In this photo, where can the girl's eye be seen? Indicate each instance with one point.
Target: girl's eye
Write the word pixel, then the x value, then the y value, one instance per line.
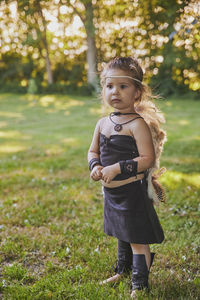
pixel 109 86
pixel 123 86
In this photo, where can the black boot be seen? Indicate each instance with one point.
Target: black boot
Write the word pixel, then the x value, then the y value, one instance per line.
pixel 152 258
pixel 124 262
pixel 125 258
pixel 140 272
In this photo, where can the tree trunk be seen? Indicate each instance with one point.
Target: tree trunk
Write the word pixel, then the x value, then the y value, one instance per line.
pixel 44 39
pixel 91 60
pixel 87 20
pixel 91 43
pixel 48 62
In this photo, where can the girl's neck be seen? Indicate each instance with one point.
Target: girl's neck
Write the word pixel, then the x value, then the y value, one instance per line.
pixel 125 111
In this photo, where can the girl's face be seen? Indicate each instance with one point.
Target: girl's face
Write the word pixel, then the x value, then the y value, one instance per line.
pixel 120 92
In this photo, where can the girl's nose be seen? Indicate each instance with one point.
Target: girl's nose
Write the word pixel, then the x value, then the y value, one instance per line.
pixel 115 90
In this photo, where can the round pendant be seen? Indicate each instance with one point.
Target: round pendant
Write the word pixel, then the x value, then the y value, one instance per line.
pixel 118 127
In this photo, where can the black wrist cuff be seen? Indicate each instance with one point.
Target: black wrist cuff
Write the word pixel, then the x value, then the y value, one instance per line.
pixel 128 167
pixel 93 162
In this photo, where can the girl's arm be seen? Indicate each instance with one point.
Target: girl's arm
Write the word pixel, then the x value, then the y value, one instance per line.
pixel 94 153
pixel 145 145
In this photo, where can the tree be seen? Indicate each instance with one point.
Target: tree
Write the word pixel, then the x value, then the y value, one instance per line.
pixel 35 22
pixel 84 9
pixel 164 36
pixel 44 39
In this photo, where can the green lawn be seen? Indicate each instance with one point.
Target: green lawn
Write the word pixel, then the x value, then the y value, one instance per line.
pixel 52 241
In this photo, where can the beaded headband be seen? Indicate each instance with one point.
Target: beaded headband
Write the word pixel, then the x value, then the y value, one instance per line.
pixel 115 76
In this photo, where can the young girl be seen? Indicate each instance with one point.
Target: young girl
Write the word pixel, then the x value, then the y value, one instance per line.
pixel 121 154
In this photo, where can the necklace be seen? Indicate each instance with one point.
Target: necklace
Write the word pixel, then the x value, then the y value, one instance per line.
pixel 118 126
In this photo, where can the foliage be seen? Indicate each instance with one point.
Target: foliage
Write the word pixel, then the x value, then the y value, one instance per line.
pixel 83 90
pixel 163 35
pixel 179 69
pixel 32 87
pixel 51 234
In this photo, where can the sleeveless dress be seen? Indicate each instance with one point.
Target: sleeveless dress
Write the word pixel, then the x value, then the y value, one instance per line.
pixel 129 214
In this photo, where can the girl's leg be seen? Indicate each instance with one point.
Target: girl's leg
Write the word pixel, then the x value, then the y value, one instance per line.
pixel 142 249
pixel 125 257
pixel 124 262
pixel 142 261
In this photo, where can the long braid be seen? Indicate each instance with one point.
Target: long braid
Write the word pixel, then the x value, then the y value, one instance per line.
pixel 153 117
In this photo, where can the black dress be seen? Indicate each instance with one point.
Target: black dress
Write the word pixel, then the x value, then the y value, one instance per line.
pixel 129 214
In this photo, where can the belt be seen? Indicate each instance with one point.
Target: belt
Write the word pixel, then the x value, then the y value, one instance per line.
pixel 117 183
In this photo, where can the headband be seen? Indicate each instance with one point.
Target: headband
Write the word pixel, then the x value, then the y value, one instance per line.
pixel 123 76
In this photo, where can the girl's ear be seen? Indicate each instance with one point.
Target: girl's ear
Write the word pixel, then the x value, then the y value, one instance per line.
pixel 137 94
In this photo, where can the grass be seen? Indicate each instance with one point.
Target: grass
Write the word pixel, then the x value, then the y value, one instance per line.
pixel 52 241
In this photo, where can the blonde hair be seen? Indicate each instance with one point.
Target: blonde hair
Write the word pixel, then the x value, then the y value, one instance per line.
pixel 147 109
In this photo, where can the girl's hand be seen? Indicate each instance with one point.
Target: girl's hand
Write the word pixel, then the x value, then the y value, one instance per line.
pixel 96 173
pixel 109 172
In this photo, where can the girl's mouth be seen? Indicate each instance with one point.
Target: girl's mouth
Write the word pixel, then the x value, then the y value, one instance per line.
pixel 115 100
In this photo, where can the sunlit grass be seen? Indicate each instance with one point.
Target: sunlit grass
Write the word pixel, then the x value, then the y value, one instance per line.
pixel 178 177
pixel 51 228
pixel 10 134
pixel 9 148
pixel 9 114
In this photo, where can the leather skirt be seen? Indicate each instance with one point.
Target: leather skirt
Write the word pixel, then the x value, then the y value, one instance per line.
pixel 129 214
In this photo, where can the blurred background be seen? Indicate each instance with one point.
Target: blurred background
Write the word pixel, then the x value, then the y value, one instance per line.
pixel 58 46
